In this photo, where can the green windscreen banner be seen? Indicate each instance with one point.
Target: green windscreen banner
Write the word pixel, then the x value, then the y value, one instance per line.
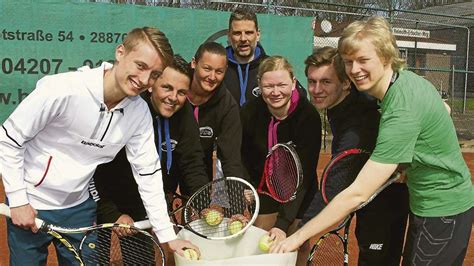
pixel 39 38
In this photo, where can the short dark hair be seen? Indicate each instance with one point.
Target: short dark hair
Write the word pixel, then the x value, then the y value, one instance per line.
pixel 326 56
pixel 243 14
pixel 210 47
pixel 179 64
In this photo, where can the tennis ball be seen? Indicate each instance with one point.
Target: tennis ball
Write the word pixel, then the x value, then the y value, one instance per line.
pixel 214 217
pixel 235 227
pixel 265 243
pixel 191 254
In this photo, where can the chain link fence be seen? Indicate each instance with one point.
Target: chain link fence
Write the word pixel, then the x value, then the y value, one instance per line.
pixel 436 41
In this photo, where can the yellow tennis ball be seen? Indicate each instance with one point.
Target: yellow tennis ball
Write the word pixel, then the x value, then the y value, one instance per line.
pixel 214 217
pixel 235 227
pixel 191 254
pixel 265 243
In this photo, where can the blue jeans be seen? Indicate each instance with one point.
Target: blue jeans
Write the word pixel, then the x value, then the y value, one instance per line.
pixel 28 248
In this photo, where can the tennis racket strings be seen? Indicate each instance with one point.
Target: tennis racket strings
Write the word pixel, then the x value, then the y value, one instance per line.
pixel 213 218
pixel 120 246
pixel 105 244
pixel 219 191
pixel 282 174
pixel 330 251
pixel 341 172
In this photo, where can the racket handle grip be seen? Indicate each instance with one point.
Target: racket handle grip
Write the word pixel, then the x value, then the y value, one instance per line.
pixel 5 210
pixel 145 224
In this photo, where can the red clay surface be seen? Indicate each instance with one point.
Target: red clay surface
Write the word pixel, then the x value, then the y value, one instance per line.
pixel 324 158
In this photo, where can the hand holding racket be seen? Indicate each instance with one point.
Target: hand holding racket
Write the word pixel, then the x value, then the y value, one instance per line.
pixel 282 173
pixel 101 245
pixel 176 203
pixel 124 219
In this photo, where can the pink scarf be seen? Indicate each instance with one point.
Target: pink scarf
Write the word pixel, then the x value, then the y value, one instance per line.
pixel 272 138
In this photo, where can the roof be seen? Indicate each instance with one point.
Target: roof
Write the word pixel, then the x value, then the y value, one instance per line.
pixel 461 14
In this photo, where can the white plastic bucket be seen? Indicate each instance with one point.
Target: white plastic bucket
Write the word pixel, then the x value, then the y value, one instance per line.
pixel 242 250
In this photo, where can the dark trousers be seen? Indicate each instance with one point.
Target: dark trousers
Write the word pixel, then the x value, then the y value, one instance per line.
pixel 381 225
pixel 380 228
pixel 438 240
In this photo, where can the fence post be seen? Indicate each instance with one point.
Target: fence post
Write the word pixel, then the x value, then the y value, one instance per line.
pixel 467 69
pixel 452 88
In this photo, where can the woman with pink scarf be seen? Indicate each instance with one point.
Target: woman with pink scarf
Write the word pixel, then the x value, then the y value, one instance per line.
pixel 280 115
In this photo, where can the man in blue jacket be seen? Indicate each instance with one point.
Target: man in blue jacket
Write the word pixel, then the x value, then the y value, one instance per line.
pixel 244 55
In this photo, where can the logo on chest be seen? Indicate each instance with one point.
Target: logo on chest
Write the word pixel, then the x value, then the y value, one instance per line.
pixel 92 144
pixel 256 92
pixel 206 132
pixel 173 143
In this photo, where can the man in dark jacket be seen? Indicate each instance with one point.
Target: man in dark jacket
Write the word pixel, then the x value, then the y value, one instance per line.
pixel 177 142
pixel 354 120
pixel 244 56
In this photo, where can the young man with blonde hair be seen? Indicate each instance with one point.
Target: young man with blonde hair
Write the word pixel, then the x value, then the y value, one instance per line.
pixel 415 129
pixel 176 141
pixel 52 142
pixel 354 120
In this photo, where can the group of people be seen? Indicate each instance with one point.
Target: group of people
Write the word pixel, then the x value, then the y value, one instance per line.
pixel 147 126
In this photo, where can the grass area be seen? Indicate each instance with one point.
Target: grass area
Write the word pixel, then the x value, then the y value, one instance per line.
pixel 457 103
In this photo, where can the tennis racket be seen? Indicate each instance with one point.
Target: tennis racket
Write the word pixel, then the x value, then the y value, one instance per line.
pixel 332 247
pixel 340 172
pixel 282 173
pixel 204 216
pixel 102 244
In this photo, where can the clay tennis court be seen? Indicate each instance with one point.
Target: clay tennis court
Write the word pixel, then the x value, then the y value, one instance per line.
pixel 324 158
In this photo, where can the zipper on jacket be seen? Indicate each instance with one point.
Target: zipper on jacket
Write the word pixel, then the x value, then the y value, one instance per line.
pixel 103 112
pixel 110 120
pixel 99 121
pixel 45 171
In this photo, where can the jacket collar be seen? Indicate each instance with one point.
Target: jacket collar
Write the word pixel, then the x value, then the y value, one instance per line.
pixel 259 53
pixel 94 81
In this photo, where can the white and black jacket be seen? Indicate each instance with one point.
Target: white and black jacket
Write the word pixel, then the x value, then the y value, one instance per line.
pixel 51 144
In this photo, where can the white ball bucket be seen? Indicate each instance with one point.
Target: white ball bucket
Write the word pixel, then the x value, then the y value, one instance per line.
pixel 242 250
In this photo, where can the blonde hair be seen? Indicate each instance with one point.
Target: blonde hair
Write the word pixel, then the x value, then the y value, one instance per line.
pixel 155 37
pixel 274 63
pixel 378 31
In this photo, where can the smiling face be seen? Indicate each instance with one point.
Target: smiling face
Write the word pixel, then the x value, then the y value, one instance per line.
pixel 208 72
pixel 366 69
pixel 277 87
pixel 136 70
pixel 243 36
pixel 168 94
pixel 325 88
